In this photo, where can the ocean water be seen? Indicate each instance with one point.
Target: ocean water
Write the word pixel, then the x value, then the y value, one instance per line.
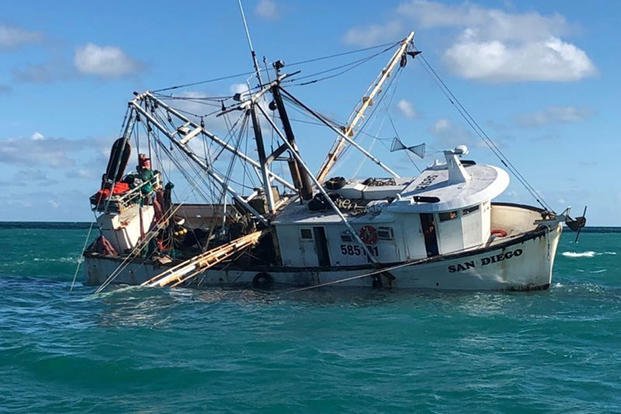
pixel 330 350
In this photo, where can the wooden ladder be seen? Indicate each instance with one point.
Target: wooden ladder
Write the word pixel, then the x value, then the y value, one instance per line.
pixel 197 264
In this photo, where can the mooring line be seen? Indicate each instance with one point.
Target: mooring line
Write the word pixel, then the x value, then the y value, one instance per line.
pixel 77 268
pixel 347 279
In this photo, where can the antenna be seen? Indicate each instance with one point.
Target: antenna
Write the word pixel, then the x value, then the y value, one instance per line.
pixel 397 145
pixel 252 52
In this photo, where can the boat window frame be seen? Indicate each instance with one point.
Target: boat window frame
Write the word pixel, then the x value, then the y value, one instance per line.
pixel 448 215
pixel 389 230
pixel 347 237
pixel 306 234
pixel 470 210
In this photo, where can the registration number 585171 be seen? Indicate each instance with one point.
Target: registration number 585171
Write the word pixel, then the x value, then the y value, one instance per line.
pixel 356 250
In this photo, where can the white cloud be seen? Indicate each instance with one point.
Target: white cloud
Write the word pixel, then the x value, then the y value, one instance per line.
pixel 447 135
pixel 47 72
pixel 553 115
pixel 441 126
pixel 51 152
pixel 488 23
pixel 105 61
pixel 406 108
pixel 491 44
pixel 53 203
pixel 12 37
pixel 83 173
pixel 241 88
pixel 43 151
pixel 374 34
pixel 492 60
pixel 267 9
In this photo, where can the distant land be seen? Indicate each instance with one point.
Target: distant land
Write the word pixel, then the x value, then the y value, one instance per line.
pixel 85 225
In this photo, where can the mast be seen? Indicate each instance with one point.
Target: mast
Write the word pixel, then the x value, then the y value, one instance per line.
pixel 258 137
pixel 341 143
pixel 321 189
pixel 252 52
pixel 299 175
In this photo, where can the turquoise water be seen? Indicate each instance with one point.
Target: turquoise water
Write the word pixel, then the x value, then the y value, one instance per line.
pixel 332 350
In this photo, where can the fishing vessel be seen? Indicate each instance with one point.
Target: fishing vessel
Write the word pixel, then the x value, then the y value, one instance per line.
pixel 267 220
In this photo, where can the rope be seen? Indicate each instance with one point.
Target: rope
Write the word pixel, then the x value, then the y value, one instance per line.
pixel 392 87
pixel 244 74
pixel 373 273
pixel 348 279
pixel 480 132
pixel 80 260
pixel 348 66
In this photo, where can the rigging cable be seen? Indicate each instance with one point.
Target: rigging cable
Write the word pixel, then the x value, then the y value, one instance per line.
pixel 247 73
pixel 409 155
pixel 465 114
pixel 134 253
pixel 348 66
pixel 81 258
pixel 392 82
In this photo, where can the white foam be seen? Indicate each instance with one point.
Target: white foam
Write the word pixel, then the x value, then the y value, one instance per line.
pixel 579 254
pixel 68 259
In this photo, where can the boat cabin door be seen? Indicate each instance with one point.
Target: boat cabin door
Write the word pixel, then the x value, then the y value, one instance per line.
pixel 429 232
pixel 321 246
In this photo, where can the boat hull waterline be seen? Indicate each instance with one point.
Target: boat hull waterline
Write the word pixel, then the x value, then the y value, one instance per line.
pixel 524 263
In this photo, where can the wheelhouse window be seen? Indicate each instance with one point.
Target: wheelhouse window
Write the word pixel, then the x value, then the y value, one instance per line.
pixel 448 215
pixel 385 233
pixel 306 234
pixel 469 210
pixel 347 237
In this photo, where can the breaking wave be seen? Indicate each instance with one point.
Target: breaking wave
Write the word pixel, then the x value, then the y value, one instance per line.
pixel 589 253
pixel 68 259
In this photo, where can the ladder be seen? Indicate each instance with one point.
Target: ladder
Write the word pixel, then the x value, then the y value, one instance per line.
pixel 197 264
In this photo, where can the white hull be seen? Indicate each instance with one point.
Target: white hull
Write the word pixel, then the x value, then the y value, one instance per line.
pixel 521 263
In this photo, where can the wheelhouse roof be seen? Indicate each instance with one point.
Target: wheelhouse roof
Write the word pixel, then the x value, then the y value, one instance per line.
pixel 433 191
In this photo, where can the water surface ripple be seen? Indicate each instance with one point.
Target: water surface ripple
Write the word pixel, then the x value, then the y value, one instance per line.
pixel 332 350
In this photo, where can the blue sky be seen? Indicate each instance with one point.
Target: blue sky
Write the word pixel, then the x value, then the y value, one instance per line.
pixel 542 78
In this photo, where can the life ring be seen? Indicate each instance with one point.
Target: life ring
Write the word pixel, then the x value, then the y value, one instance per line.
pixel 499 233
pixel 262 281
pixel 368 234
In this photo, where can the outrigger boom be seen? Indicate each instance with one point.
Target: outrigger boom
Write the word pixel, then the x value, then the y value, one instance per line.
pixel 344 137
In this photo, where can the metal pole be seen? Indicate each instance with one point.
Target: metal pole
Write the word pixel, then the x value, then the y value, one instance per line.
pixel 305 185
pixel 258 136
pixel 217 140
pixel 321 189
pixel 252 52
pixel 201 164
pixel 358 113
pixel 345 137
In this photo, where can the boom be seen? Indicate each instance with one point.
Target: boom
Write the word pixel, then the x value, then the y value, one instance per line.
pixel 340 144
